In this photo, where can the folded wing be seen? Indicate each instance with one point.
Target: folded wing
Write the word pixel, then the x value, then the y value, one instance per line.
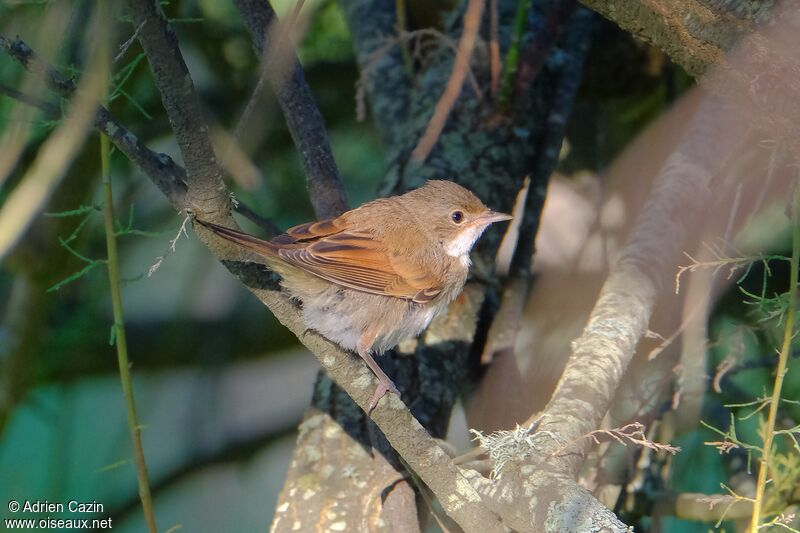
pixel 355 260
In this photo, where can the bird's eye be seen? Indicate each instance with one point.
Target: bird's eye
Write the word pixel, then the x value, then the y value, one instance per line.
pixel 457 216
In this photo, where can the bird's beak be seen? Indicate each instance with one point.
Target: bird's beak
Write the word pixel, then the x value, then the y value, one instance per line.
pixel 492 216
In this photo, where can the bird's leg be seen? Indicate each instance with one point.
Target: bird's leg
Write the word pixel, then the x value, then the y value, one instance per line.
pixel 385 384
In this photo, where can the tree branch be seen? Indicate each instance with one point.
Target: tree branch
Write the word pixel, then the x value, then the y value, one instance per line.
pixel 450 484
pixel 168 176
pixel 474 502
pixel 50 110
pixel 686 30
pixel 621 315
pixel 207 193
pixel 162 170
pixel 303 118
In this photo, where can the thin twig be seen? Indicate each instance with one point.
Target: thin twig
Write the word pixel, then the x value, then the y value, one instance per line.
pixel 472 22
pixel 262 222
pixel 159 167
pixel 780 372
pixel 165 173
pixel 51 110
pixel 44 174
pixel 134 427
pixel 632 433
pixel 127 44
pixel 171 248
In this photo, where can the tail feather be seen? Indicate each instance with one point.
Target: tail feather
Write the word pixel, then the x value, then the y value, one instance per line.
pixel 255 244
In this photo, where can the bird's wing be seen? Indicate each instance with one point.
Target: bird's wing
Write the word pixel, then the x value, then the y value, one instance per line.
pixel 356 260
pixel 311 231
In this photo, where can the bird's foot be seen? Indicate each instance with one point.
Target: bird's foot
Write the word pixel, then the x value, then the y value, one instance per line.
pixel 380 391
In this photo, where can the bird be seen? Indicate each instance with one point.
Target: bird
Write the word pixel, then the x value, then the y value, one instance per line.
pixel 377 274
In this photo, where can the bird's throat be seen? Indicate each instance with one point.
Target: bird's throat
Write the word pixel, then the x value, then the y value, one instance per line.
pixel 462 244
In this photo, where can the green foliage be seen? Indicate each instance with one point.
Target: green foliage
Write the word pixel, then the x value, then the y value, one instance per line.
pixel 752 389
pixel 328 39
pixel 512 56
pixel 90 264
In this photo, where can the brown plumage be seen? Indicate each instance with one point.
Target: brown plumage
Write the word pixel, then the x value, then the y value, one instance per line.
pixel 378 274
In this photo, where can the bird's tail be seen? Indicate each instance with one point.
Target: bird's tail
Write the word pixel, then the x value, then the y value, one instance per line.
pixel 260 246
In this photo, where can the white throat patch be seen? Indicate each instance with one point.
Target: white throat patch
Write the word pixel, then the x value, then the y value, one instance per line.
pixel 461 245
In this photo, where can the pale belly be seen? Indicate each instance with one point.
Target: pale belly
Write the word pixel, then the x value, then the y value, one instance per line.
pixel 343 316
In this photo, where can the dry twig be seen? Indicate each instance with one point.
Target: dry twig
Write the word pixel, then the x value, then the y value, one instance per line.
pixel 472 19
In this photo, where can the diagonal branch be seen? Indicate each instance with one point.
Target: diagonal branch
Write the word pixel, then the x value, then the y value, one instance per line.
pixel 536 461
pixel 165 173
pixel 303 118
pixel 162 170
pixel 451 485
pixel 207 192
pixel 620 317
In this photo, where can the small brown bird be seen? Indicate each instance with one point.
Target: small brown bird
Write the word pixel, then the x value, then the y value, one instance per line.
pixel 378 274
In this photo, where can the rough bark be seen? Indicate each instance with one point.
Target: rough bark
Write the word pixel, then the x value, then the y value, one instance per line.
pixel 207 194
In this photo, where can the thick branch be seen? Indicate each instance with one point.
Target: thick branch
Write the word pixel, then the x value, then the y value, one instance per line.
pixel 207 192
pixel 303 118
pixel 686 30
pixel 602 353
pixel 621 315
pixel 407 436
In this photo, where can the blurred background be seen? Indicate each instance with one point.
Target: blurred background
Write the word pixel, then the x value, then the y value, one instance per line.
pixel 220 385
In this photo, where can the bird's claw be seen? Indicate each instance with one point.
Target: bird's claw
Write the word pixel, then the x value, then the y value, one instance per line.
pixel 380 392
